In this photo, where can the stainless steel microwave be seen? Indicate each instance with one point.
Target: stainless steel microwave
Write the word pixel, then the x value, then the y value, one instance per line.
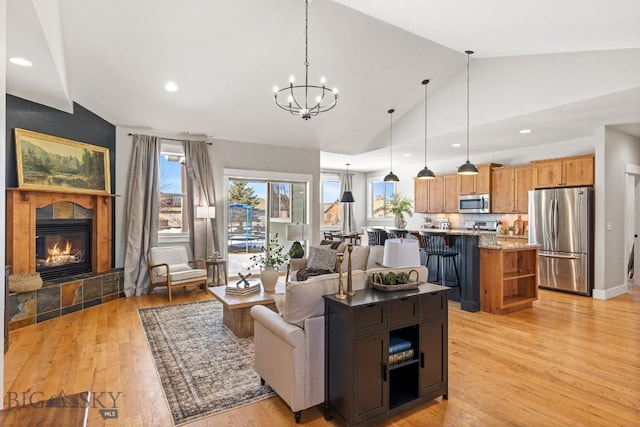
pixel 474 203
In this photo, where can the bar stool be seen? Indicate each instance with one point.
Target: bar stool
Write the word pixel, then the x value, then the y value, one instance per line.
pixel 376 237
pixel 434 245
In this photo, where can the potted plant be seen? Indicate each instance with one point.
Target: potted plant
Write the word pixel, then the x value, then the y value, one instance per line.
pixel 399 205
pixel 268 260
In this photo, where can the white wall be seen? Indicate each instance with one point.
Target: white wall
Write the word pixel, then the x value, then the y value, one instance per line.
pixel 614 150
pixel 223 155
pixel 3 161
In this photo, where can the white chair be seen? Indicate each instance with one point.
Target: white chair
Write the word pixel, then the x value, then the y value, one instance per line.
pixel 170 266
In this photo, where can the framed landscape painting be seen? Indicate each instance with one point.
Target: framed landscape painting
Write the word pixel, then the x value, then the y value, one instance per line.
pixel 48 162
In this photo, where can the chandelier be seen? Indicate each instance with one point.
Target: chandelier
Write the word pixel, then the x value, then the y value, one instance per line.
pixel 296 98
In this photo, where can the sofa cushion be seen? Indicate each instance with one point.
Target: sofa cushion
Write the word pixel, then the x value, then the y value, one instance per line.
pixel 304 299
pixel 359 256
pixel 375 257
pixel 280 299
pixel 322 258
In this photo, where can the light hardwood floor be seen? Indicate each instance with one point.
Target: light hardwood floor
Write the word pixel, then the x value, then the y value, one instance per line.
pixel 569 360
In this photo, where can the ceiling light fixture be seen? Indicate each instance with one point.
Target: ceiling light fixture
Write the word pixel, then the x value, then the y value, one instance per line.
pixel 524 131
pixel 347 196
pixel 425 173
pixel 391 177
pixel 297 96
pixel 171 87
pixel 468 168
pixel 20 61
pixel 455 145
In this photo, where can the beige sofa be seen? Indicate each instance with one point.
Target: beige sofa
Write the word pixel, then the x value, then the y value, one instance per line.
pixel 289 346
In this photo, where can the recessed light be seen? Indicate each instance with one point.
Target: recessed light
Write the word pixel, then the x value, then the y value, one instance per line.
pixel 20 61
pixel 171 87
pixel 455 145
pixel 407 154
pixel 525 131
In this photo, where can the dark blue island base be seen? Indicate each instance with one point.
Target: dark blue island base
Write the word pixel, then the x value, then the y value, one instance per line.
pixel 468 264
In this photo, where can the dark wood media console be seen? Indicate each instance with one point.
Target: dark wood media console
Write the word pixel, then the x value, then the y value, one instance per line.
pixel 361 385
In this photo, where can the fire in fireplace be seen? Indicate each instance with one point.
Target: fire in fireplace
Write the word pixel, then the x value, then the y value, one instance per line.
pixel 63 247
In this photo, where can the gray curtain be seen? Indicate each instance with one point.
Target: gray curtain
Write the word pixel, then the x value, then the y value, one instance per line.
pixel 349 222
pixel 142 210
pixel 200 189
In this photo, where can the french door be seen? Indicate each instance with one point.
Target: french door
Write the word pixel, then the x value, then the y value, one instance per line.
pixel 257 210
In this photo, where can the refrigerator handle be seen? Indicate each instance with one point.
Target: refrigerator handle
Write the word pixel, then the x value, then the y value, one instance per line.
pixel 555 224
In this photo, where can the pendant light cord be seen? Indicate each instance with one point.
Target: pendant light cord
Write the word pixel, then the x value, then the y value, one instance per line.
pixel 391 140
pixel 425 122
pixel 468 55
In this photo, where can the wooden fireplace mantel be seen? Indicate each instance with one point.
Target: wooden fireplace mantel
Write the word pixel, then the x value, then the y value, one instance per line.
pixel 21 225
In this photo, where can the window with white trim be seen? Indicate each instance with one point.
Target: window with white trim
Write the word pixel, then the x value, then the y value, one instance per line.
pixel 330 202
pixel 172 217
pixel 380 193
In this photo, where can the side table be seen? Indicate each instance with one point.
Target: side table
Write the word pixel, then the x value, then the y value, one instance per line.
pixel 219 265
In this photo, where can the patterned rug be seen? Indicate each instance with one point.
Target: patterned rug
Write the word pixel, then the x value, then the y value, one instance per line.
pixel 203 367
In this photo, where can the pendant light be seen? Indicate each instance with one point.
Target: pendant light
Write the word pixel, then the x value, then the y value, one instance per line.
pixel 347 196
pixel 425 173
pixel 391 177
pixel 468 168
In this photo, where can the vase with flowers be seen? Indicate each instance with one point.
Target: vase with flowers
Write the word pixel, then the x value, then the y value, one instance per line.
pixel 271 256
pixel 400 205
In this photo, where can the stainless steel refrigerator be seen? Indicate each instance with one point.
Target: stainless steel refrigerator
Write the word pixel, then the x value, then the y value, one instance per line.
pixel 561 223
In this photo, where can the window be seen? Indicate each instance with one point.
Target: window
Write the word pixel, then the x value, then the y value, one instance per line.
pixel 173 191
pixel 380 193
pixel 331 207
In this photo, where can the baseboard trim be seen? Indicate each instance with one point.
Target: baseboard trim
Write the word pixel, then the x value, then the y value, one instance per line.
pixel 610 293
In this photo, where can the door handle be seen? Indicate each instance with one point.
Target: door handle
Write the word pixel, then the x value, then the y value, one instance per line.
pixel 559 256
pixel 384 372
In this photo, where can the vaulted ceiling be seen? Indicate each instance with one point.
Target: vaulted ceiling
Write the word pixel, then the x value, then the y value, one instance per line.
pixel 559 68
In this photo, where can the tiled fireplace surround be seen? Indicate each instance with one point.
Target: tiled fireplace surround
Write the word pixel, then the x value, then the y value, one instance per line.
pixel 66 295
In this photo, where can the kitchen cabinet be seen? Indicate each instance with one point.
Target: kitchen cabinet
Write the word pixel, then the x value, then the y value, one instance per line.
pixel 510 189
pixel 564 172
pixel 451 192
pixel 421 195
pixel 508 279
pixel 363 385
pixel 477 184
pixel 437 195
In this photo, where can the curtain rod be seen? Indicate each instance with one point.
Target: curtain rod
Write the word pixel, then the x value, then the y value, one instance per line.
pixel 180 140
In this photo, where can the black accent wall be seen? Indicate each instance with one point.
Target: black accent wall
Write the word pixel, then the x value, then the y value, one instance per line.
pixel 81 126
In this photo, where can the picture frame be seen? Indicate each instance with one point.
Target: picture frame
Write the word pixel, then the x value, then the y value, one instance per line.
pixel 280 210
pixel 47 162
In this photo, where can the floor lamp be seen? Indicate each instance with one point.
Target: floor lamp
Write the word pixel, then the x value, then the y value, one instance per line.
pixel 207 213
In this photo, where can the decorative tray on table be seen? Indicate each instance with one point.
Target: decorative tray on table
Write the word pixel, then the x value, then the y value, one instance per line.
pixel 389 282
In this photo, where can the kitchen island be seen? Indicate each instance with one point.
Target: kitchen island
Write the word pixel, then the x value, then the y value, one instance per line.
pixel 508 277
pixel 467 244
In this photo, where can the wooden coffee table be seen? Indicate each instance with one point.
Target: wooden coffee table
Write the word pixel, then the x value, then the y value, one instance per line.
pixel 236 308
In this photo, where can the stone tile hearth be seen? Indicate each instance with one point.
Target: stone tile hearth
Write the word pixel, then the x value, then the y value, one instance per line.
pixel 57 299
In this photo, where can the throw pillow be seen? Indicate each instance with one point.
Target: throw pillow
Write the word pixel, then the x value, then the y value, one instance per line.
pixel 280 300
pixel 322 258
pixel 359 257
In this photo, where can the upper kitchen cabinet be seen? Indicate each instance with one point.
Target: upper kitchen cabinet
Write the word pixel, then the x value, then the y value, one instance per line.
pixel 477 184
pixel 451 192
pixel 421 195
pixel 438 195
pixel 510 189
pixel 563 172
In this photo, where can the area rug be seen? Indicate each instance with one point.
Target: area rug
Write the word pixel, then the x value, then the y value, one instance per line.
pixel 203 367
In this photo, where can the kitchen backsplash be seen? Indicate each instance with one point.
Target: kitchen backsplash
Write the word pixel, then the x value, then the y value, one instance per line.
pixel 459 220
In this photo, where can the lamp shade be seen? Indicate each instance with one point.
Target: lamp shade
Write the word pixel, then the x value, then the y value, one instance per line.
pixel 205 212
pixel 401 253
pixel 347 197
pixel 297 232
